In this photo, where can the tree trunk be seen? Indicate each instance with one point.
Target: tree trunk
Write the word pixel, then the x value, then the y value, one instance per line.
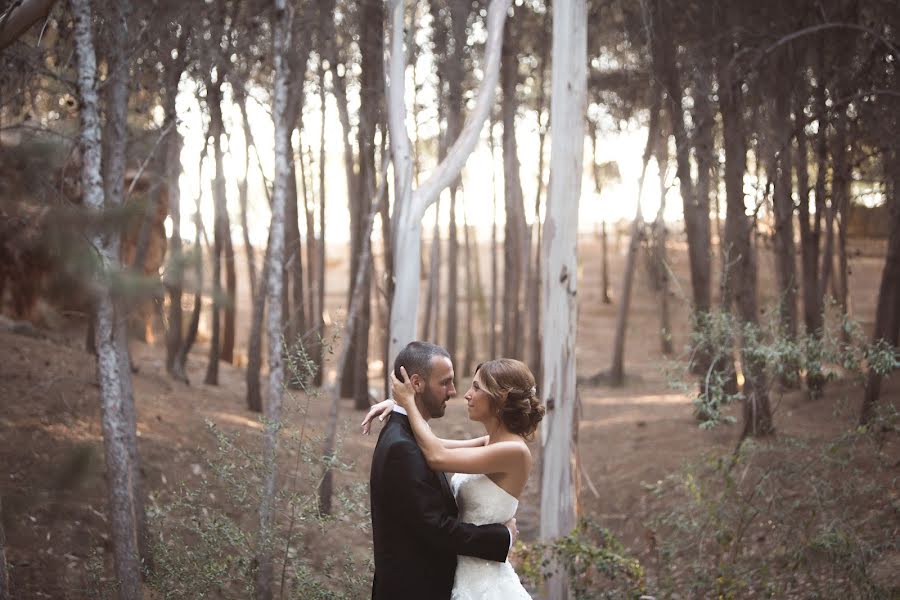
pixel 4 573
pixel 254 345
pixel 455 69
pixel 695 202
pixel 492 333
pixel 513 238
pixel 433 288
pixel 363 265
pixel 617 370
pixel 840 184
pixel 354 381
pixel 274 390
pixel 809 252
pixel 174 273
pixel 116 436
pixel 410 205
pixel 452 279
pixel 533 285
pixel 473 287
pixel 822 204
pixel 190 336
pixel 114 184
pixel 757 413
pixel 783 204
pixel 19 17
pixel 319 317
pixel 559 431
pixel 661 261
pixel 230 293
pixel 241 100
pixel 604 245
pixel 310 218
pixel 216 129
pixel 887 314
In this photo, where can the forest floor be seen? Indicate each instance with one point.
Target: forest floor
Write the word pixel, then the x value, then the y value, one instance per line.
pixel 649 474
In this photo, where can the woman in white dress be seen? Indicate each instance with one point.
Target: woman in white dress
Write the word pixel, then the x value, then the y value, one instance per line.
pixel 490 474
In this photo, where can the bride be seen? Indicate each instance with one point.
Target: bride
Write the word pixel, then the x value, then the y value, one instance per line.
pixel 489 476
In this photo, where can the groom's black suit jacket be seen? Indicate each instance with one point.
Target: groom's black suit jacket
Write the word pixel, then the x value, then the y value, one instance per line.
pixel 415 524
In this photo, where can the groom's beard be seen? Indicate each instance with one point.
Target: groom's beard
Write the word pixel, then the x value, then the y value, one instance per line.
pixel 431 406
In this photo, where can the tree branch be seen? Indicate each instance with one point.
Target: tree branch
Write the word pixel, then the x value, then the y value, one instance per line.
pixel 19 17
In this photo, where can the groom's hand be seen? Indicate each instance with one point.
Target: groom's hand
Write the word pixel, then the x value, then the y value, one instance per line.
pixel 513 531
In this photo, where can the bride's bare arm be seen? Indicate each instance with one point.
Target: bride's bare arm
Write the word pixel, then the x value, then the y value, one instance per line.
pixel 502 457
pixel 383 409
pixel 473 443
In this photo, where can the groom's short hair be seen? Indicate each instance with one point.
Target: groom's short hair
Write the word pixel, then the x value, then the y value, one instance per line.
pixel 417 357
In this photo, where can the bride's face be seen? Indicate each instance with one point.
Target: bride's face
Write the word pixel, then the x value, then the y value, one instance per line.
pixel 478 401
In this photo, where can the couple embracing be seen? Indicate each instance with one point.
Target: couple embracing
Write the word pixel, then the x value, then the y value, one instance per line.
pixel 437 538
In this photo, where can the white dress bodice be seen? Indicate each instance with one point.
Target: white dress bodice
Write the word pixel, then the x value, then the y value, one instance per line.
pixel 481 501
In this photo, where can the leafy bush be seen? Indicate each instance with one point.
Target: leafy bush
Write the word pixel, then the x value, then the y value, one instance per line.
pixel 596 564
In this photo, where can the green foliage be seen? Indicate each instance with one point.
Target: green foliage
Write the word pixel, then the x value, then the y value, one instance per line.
pixel 795 519
pixel 841 350
pixel 596 563
pixel 206 534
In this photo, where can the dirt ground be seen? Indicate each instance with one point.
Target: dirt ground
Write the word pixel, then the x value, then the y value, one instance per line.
pixel 51 456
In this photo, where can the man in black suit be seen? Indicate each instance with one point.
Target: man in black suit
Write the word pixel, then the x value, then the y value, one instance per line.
pixel 415 525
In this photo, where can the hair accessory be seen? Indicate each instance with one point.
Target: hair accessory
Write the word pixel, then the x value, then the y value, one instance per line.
pixel 533 391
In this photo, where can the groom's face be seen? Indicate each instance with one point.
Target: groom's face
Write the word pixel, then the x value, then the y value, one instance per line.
pixel 438 388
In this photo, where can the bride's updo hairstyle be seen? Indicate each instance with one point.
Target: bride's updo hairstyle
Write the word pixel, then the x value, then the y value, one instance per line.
pixel 510 385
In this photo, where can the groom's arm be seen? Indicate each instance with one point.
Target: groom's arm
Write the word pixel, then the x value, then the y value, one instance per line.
pixel 418 503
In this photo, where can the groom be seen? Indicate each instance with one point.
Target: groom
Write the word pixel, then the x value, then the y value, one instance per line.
pixel 415 525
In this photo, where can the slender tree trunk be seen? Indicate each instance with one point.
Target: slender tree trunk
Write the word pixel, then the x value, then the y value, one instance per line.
pixel 617 370
pixel 887 314
pixel 114 184
pixel 241 100
pixel 274 388
pixel 228 332
pixel 174 273
pixel 757 413
pixel 4 572
pixel 433 293
pixel 18 17
pixel 452 279
pixel 533 283
pixel 216 129
pixel 660 258
pixel 410 205
pixel 513 239
pixel 604 252
pixel 354 381
pixel 309 212
pixel 783 203
pixel 116 436
pixel 363 265
pixel 821 191
pixel 559 432
pixel 190 336
pixel 254 345
pixel 320 288
pixel 842 176
pixel 473 286
pixel 495 290
pixel 459 13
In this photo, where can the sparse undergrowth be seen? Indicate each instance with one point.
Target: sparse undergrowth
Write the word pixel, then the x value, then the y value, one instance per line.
pixel 206 532
pixel 783 518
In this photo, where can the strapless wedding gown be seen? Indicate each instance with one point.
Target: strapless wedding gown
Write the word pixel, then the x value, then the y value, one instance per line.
pixel 481 501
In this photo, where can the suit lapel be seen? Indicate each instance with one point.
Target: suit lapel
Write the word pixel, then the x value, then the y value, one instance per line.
pixel 403 421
